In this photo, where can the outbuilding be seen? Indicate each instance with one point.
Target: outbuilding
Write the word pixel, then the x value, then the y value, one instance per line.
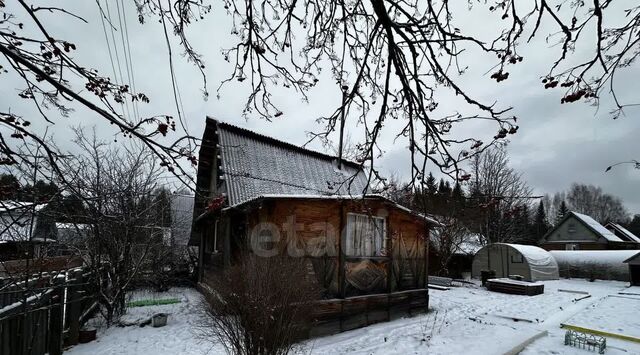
pixel 529 262
pixel 634 269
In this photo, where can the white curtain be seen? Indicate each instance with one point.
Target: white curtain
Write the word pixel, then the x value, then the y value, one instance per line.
pixel 365 235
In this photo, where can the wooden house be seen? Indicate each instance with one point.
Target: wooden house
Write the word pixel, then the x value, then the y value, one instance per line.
pixel 260 195
pixel 578 231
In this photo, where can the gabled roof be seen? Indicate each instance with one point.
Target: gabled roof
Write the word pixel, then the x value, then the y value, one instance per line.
pixel 588 222
pixel 597 227
pixel 18 220
pixel 252 165
pixel 631 258
pixel 625 233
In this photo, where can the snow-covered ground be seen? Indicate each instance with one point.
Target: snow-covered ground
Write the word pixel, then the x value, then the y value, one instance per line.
pixel 466 319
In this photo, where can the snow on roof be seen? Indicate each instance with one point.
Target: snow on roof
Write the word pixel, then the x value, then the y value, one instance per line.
pixel 72 225
pixel 10 205
pixel 597 227
pixel 469 245
pixel 622 230
pixel 612 258
pixel 254 165
pixel 533 254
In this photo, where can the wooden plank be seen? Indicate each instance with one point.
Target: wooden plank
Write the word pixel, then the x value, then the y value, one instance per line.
pixel 56 320
pixel 354 321
pixel 574 291
pixel 600 332
pixel 74 307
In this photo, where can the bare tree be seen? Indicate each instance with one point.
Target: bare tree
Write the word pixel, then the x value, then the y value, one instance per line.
pixel 451 237
pixel 389 59
pixel 591 200
pixel 261 306
pixel 118 228
pixel 500 195
pixel 43 61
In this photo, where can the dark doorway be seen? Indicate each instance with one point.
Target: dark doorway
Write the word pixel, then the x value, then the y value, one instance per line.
pixel 634 275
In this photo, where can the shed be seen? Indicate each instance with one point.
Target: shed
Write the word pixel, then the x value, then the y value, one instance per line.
pixel 530 262
pixel 634 269
pixel 259 195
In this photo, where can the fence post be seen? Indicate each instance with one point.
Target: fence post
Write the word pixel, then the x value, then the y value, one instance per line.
pixel 56 318
pixel 74 306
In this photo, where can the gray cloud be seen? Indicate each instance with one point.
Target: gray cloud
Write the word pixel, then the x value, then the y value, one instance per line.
pixel 557 144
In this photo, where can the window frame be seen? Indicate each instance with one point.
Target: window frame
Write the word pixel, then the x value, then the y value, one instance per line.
pixel 371 218
pixel 520 257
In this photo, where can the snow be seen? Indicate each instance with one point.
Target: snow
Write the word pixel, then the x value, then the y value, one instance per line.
pixel 604 232
pixel 463 320
pixel 535 256
pixel 626 232
pixel 179 336
pixel 613 259
pixel 517 282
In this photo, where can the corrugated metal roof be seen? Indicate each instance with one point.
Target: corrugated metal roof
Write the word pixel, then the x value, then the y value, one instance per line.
pixel 254 165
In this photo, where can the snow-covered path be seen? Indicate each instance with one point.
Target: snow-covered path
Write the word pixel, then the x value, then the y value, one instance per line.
pixel 467 320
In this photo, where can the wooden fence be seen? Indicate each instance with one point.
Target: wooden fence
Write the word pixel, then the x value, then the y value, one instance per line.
pixel 42 314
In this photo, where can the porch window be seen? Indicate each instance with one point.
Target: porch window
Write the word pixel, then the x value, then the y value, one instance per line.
pixel 365 235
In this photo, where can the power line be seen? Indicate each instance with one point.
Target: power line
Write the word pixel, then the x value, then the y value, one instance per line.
pixel 174 82
pixel 127 54
pixel 106 37
pixel 115 48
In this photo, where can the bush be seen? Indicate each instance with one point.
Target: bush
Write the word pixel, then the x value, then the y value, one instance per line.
pixel 261 306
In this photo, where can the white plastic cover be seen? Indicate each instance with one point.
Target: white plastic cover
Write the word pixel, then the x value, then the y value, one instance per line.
pixel 531 262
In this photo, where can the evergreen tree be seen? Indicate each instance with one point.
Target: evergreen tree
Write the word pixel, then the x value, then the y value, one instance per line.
pixel 522 220
pixel 540 224
pixel 634 225
pixel 562 211
pixel 9 187
pixel 432 188
pixel 457 194
pixel 444 188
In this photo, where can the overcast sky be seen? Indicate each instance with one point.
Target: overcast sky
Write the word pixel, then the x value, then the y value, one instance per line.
pixel 556 144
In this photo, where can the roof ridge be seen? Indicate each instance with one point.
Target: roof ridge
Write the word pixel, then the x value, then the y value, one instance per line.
pixel 280 142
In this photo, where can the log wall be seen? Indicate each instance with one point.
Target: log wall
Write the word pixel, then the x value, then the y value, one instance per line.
pixel 314 229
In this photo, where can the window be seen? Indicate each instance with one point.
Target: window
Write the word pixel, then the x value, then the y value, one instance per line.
pixel 517 258
pixel 365 235
pixel 211 241
pixel 572 228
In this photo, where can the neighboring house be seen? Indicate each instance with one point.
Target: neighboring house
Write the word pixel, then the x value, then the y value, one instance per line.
pixel 263 196
pixel 72 234
pixel 25 246
pixel 462 248
pixel 623 233
pixel 577 231
pixel 18 230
